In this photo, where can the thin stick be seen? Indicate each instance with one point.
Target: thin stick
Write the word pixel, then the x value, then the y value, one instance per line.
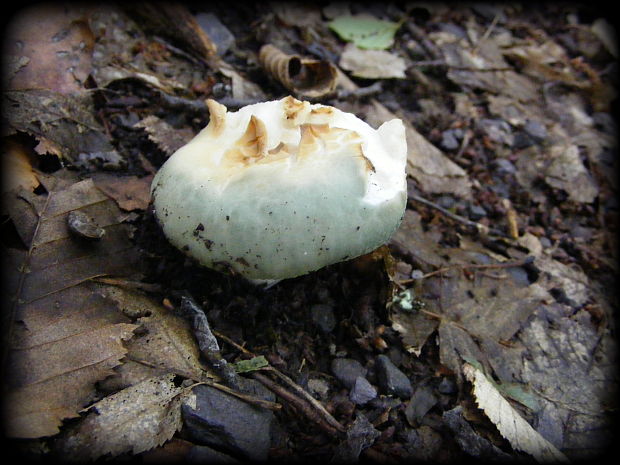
pixel 302 392
pixel 245 397
pixel 328 418
pixel 233 343
pixel 464 144
pixel 299 404
pixel 361 92
pixel 203 380
pixel 486 34
pixel 419 35
pixel 478 266
pixel 482 229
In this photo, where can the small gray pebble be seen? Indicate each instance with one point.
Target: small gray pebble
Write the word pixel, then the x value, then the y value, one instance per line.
pixel 362 391
pixel 449 140
pixel 83 226
pixel 391 379
pixel 346 370
pixel 217 32
pixel 535 130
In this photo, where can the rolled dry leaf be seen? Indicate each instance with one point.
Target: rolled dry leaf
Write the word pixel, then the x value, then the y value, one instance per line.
pixel 304 76
pixel 511 219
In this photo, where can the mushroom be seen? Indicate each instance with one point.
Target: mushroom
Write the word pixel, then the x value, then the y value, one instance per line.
pixel 282 188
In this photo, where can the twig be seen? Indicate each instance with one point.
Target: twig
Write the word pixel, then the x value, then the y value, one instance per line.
pixel 298 404
pixel 318 413
pixel 181 53
pixel 361 92
pixel 233 343
pixel 429 47
pixel 181 104
pixel 245 397
pixel 486 34
pixel 464 144
pixel 481 228
pixel 250 399
pixel 477 266
pixel 302 392
pixel 429 63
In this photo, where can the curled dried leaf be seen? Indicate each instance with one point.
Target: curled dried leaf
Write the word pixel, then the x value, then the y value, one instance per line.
pixel 306 77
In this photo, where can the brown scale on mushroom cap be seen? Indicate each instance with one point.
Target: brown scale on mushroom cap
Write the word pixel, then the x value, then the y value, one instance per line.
pixel 217 116
pixel 315 137
pixel 251 146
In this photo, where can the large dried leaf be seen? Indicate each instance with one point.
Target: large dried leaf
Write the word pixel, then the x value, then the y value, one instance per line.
pixel 54 365
pixel 483 67
pixel 164 343
pixel 372 64
pixel 133 420
pixel 510 424
pixel 566 171
pixel 17 172
pixel 546 62
pixel 480 309
pixel 63 125
pixel 572 367
pixel 57 44
pixel 167 138
pixel 129 192
pixel 63 336
pixel 472 305
pixel 119 53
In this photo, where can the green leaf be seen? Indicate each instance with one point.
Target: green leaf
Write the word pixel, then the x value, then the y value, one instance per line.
pixel 519 393
pixel 243 366
pixel 516 391
pixel 365 31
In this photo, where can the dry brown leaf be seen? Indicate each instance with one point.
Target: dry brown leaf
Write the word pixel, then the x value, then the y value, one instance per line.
pixel 483 67
pixel 17 170
pixel 129 192
pixel 372 64
pixel 164 343
pixel 66 343
pixel 510 424
pixel 63 337
pixel 175 21
pixel 133 420
pixel 473 305
pixel 547 62
pixel 566 171
pixel 64 125
pixel 167 138
pixel 58 44
pixel 305 77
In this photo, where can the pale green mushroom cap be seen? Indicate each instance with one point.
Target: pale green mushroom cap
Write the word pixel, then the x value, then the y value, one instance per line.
pixel 282 188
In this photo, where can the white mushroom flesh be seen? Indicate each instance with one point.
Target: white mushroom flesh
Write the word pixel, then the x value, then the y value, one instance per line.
pixel 281 188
